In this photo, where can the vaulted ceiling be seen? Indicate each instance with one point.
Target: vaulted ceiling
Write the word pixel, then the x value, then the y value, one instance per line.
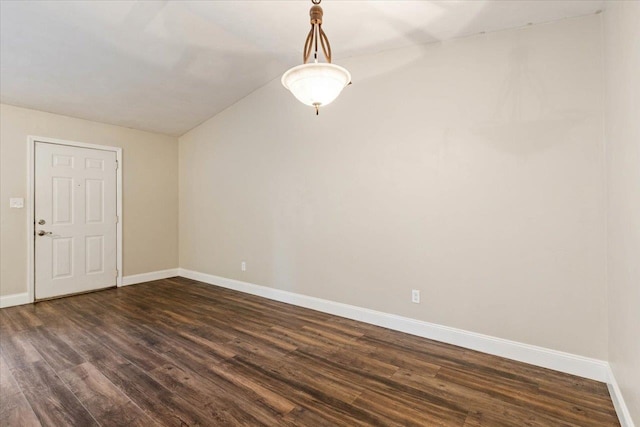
pixel 166 66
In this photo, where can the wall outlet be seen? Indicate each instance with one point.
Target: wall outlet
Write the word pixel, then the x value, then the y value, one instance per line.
pixel 415 296
pixel 243 266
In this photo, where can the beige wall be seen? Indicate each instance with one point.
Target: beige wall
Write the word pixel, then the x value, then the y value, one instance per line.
pixel 471 170
pixel 622 59
pixel 150 180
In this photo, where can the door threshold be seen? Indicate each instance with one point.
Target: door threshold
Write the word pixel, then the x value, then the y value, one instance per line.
pixel 75 294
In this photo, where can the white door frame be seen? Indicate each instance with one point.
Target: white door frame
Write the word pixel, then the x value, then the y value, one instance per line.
pixel 31 171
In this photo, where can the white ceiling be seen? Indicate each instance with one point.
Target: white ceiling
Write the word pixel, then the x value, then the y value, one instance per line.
pixel 166 66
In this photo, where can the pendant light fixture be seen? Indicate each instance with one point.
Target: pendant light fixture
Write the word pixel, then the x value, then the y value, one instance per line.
pixel 317 83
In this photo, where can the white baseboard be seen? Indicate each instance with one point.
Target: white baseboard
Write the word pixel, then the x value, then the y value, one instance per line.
pixel 23 298
pixel 557 360
pixel 15 299
pixel 148 277
pixel 618 401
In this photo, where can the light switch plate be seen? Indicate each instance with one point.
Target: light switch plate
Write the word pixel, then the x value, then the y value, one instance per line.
pixel 16 202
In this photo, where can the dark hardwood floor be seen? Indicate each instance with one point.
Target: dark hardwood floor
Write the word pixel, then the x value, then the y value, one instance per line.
pixel 178 352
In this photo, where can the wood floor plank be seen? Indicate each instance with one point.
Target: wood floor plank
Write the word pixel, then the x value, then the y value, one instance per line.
pixel 25 316
pixel 221 406
pixel 18 351
pixel 106 402
pixel 504 389
pixel 316 416
pixel 401 409
pixel 7 325
pixel 55 351
pixel 297 371
pixel 178 352
pixel 53 403
pixel 159 403
pixel 8 384
pixel 15 411
pixel 482 404
pixel 14 408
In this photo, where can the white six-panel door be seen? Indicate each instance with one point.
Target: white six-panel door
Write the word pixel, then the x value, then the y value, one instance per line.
pixel 75 219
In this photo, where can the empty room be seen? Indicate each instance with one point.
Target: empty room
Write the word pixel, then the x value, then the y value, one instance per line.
pixel 320 213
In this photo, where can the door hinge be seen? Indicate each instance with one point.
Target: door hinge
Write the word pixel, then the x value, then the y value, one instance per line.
pixel 116 273
pixel 117 219
pixel 116 164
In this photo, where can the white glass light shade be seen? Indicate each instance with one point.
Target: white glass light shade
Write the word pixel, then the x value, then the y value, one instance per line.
pixel 316 84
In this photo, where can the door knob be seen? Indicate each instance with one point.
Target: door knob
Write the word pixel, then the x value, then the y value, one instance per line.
pixel 44 233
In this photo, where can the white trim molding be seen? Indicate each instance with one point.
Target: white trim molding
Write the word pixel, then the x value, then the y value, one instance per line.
pixel 24 298
pixel 149 277
pixel 14 299
pixel 618 401
pixel 539 356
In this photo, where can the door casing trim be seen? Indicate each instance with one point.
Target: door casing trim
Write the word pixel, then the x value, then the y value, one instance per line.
pixel 30 205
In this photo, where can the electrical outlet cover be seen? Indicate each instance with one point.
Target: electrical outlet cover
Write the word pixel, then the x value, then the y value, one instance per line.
pixel 415 296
